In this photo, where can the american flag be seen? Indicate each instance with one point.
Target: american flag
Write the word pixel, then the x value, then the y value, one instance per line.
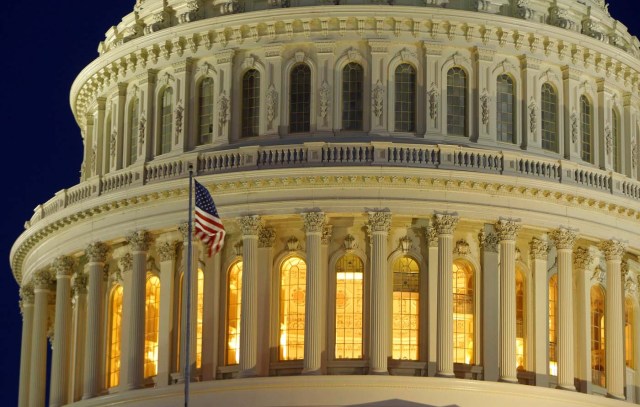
pixel 209 228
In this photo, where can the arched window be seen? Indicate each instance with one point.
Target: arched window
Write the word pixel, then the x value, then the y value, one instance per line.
pixel 349 307
pixel 352 96
pixel 234 301
pixel 463 313
pixel 457 101
pixel 406 309
pixel 205 111
pixel 251 103
pixel 615 134
pixel 405 113
pixel 115 333
pixel 132 133
pixel 553 323
pixel 151 326
pixel 586 119
pixel 199 318
pixel 549 116
pixel 300 99
pixel 505 112
pixel 293 288
pixel 520 320
pixel 629 337
pixel 598 360
pixel 166 121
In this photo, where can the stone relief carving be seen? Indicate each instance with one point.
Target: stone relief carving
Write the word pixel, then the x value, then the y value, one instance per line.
pixel 461 248
pixel 224 105
pixel 327 230
pixel 507 229
pixel 313 221
pixel 583 258
pixel 484 104
pixel 378 99
pixel 634 153
pixel 293 244
pixel 250 225
pixel 166 251
pixel 349 243
pixel 112 144
pixel 488 241
pixel 599 276
pixel 324 95
pixel 266 237
pixel 141 128
pixel 533 108
pixel 612 249
pixel 272 103
pixel 560 18
pixel 608 139
pixel 563 238
pixel 444 223
pixel 434 96
pixel 574 127
pixel 379 222
pixel 179 112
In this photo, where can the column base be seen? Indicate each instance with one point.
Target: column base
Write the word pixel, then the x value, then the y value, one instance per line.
pixel 310 372
pixel 379 373
pixel 513 380
pixel 445 374
pixel 248 373
pixel 566 387
pixel 616 397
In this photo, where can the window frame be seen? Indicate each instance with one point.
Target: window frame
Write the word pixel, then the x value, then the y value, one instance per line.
pixel 256 130
pixel 467 101
pixel 514 107
pixel 590 158
pixel 199 111
pixel 556 113
pixel 161 124
pixel 290 89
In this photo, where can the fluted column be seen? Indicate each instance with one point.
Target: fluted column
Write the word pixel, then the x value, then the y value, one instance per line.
pixel 184 230
pixel 445 224
pixel 79 332
pixel 378 226
pixel 313 226
pixel 564 240
pixel 490 302
pixel 507 231
pixel 432 298
pixel 59 394
pixel 38 375
pixel 93 374
pixel 538 249
pixel 139 242
pixel 250 226
pixel 614 319
pixel 26 306
pixel 583 262
pixel 266 238
pixel 167 253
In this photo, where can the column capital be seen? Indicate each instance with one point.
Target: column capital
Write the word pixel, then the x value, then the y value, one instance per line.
pixel 313 221
pixel 445 223
pixel 538 249
pixel 63 266
pixel 125 263
pixel 583 258
pixel 563 238
pixel 507 229
pixel 42 279
pixel 379 222
pixel 327 230
pixel 613 249
pixel 266 237
pixel 139 240
pixel 79 284
pixel 27 295
pixel 183 228
pixel 488 241
pixel 250 225
pixel 166 251
pixel 431 235
pixel 97 252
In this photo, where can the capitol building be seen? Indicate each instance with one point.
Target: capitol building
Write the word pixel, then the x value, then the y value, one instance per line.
pixel 428 203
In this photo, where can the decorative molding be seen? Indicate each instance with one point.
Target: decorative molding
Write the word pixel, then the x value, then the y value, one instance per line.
pixel 432 236
pixel 613 249
pixel 293 244
pixel 79 284
pixel 599 276
pixel 224 108
pixel 350 243
pixel 584 259
pixel 238 248
pixel 27 296
pixel 266 237
pixel 272 103
pixel 324 95
pixel 179 114
pixel 378 99
pixel 96 252
pixel 507 229
pixel 484 105
pixel 444 223
pixel 533 109
pixel 379 222
pixel 313 221
pixel 574 127
pixel 327 231
pixel 608 139
pixel 563 238
pixel 488 241
pixel 250 225
pixel 139 241
pixel 538 249
pixel 42 279
pixel 462 248
pixel 433 98
pixel 63 266
pixel 166 251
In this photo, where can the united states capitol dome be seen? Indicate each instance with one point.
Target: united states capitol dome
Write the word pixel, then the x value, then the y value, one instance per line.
pixel 426 202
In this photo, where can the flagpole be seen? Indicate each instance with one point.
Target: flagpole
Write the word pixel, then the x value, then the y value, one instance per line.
pixel 187 358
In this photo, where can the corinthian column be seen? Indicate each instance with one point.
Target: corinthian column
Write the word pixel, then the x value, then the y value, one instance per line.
pixel 250 226
pixel 445 224
pixel 583 262
pixel 26 306
pixel 614 317
pixel 538 249
pixel 139 242
pixel 79 333
pixel 313 226
pixel 60 360
pixel 93 374
pixel 193 320
pixel 167 253
pixel 564 240
pixel 266 238
pixel 379 225
pixel 42 284
pixel 507 231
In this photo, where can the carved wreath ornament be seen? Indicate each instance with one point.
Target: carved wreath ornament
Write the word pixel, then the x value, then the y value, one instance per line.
pixel 484 103
pixel 378 99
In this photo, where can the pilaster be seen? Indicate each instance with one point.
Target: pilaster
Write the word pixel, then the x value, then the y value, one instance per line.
pixel 432 63
pixel 531 123
pixel 42 283
pixel 27 297
pixel 379 81
pixel 325 85
pixel 266 239
pixel 485 129
pixel 183 71
pixel 167 251
pixel 489 247
pixel 222 96
pixel 250 226
pixel 274 89
pixel 538 249
pixel 431 236
pixel 147 83
pixel 79 333
pixel 583 263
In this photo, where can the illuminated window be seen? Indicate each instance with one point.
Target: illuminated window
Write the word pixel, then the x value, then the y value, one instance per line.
pixel 205 111
pixel 199 318
pixel 406 309
pixel 628 333
pixel 598 360
pixel 352 96
pixel 349 307
pixel 251 103
pixel 166 121
pixel 151 326
pixel 300 99
pixel 293 286
pixel 463 313
pixel 549 118
pixel 134 122
pixel 405 84
pixel 586 113
pixel 506 109
pixel 520 319
pixel 115 333
pixel 234 299
pixel 457 101
pixel 615 134
pixel 553 321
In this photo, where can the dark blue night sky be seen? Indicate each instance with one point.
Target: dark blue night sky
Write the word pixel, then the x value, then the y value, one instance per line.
pixel 44 45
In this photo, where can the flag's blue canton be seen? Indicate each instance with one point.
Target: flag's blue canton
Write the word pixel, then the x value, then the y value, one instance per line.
pixel 208 227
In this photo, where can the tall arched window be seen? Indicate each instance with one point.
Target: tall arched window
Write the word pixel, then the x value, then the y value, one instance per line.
pixel 115 333
pixel 505 112
pixel 629 337
pixel 300 99
pixel 234 301
pixel 199 317
pixel 166 121
pixel 151 326
pixel 251 103
pixel 586 121
pixel 132 133
pixel 293 288
pixel 549 115
pixel 349 307
pixel 406 309
pixel 615 134
pixel 405 84
pixel 520 320
pixel 205 111
pixel 457 101
pixel 598 355
pixel 463 313
pixel 553 323
pixel 352 96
